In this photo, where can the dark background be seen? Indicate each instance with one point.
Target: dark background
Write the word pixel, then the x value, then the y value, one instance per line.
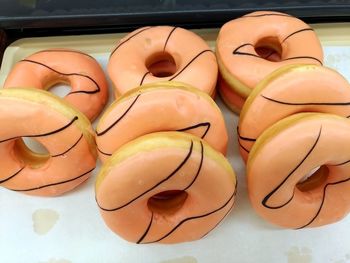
pixel 108 15
pixel 28 18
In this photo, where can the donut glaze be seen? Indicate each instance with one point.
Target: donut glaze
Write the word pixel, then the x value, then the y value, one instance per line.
pixel 158 163
pixel 195 63
pixel 289 90
pixel 162 106
pixel 288 151
pixel 65 133
pixel 44 69
pixel 240 64
pixel 234 101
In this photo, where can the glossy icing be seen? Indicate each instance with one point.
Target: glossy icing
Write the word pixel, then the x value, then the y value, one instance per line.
pixel 239 63
pixel 65 133
pixel 162 106
pixel 195 63
pixel 44 69
pixel 161 162
pixel 289 90
pixel 291 149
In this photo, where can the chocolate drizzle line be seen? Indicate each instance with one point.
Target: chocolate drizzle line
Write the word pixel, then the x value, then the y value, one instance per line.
pixel 244 138
pixel 240 145
pixel 339 164
pixel 153 187
pixel 307 57
pixel 192 218
pixel 167 39
pixel 104 153
pixel 10 177
pixel 143 77
pixel 121 117
pixel 147 230
pixel 307 103
pixel 203 124
pixel 296 32
pixel 44 134
pixel 132 36
pixel 322 202
pixel 52 184
pixel 236 52
pixel 70 148
pixel 189 63
pixel 269 14
pixel 267 197
pixel 98 89
pixel 199 169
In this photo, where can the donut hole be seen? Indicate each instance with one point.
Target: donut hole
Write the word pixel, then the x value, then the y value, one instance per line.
pixel 269 48
pixel 161 65
pixel 167 202
pixel 314 179
pixel 31 152
pixel 60 89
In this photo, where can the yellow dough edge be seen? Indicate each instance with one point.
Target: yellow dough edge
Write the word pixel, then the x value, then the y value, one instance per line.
pixel 232 82
pixel 150 142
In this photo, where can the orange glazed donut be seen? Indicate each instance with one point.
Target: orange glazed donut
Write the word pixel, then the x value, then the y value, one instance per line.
pixel 44 69
pixel 287 152
pixel 251 47
pixel 64 131
pixel 289 90
pixel 159 188
pixel 152 54
pixel 162 106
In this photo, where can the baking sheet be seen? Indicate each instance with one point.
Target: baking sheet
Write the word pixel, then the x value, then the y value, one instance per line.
pixel 69 229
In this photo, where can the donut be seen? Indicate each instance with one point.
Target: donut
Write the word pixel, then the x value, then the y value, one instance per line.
pixel 159 188
pixel 232 99
pixel 161 53
pixel 44 69
pixel 63 131
pixel 284 185
pixel 162 106
pixel 289 90
pixel 252 46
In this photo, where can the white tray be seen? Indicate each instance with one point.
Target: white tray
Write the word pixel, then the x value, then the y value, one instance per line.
pixel 69 229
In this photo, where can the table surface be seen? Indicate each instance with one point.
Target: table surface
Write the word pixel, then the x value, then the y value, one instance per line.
pixel 69 229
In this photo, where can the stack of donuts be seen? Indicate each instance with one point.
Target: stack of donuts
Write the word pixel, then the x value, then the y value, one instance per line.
pixel 162 142
pixel 62 126
pixel 293 128
pixel 253 46
pixel 294 131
